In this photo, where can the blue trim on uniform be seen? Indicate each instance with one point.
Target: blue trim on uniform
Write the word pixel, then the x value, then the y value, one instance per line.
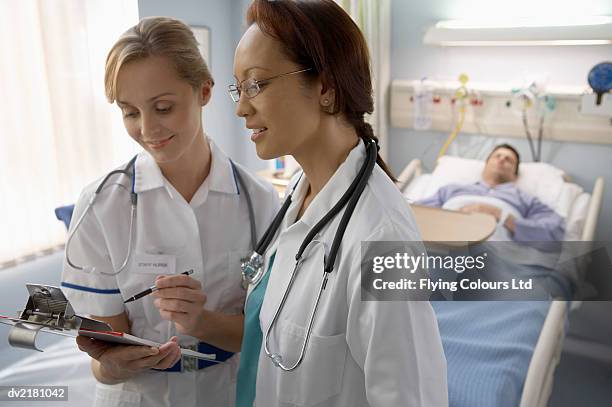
pixel 234 175
pixel 90 289
pixel 203 347
pixel 222 355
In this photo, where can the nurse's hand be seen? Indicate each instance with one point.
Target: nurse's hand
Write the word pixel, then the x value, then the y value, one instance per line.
pixel 180 299
pixel 117 363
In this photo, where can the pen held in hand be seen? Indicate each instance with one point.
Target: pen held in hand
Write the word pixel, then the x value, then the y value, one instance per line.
pixel 150 290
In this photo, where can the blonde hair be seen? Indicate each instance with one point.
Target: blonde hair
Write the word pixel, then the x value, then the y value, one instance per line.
pixel 157 36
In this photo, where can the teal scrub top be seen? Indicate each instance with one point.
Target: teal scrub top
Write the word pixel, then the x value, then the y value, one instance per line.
pixel 251 343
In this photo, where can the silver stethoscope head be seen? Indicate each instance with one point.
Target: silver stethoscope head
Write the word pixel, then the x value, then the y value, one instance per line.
pixel 252 269
pixel 253 266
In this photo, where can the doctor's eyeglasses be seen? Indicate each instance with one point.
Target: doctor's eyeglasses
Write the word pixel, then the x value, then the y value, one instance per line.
pixel 251 87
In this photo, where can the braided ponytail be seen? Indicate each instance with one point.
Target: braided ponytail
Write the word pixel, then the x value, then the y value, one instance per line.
pixel 366 133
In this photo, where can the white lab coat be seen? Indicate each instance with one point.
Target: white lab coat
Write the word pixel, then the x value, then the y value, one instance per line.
pixel 360 353
pixel 210 235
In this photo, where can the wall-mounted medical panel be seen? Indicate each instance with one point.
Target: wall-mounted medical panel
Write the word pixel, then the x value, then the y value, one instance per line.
pixel 495 110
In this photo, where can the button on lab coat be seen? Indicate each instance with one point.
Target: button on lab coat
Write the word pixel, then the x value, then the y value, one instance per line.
pixel 360 353
pixel 210 235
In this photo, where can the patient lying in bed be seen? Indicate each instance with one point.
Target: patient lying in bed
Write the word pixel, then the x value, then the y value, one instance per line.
pixel 520 216
pixel 528 236
pixel 489 344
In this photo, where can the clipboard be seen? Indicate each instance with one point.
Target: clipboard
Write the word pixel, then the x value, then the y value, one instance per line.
pixel 127 339
pixel 49 311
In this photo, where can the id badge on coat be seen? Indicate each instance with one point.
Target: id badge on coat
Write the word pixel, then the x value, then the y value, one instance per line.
pixel 154 263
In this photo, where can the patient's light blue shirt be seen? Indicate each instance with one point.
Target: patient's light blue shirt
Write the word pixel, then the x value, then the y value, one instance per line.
pixel 538 223
pixel 251 343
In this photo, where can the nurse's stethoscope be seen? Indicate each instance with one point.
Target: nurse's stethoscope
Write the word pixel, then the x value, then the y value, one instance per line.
pixel 252 270
pixel 129 172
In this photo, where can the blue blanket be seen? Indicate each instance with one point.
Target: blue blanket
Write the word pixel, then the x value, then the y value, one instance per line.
pixel 488 347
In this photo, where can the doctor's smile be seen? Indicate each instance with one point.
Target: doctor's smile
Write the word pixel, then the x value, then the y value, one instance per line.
pixel 257 133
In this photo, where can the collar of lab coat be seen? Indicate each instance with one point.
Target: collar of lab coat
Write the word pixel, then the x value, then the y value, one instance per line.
pixel 220 177
pixel 331 192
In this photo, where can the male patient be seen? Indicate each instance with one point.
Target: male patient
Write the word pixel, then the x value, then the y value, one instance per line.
pixel 520 217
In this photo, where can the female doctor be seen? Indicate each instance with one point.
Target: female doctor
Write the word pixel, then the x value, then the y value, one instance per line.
pixel 303 86
pixel 191 214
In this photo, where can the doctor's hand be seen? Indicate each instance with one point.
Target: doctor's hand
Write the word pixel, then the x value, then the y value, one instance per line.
pixel 483 208
pixel 117 363
pixel 180 299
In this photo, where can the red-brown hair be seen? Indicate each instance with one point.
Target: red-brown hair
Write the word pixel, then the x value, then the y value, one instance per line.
pixel 320 35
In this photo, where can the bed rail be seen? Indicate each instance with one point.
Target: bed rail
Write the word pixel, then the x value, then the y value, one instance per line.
pixel 590 224
pixel 411 171
pixel 546 357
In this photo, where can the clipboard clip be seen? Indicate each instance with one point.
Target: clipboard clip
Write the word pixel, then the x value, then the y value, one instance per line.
pixel 47 308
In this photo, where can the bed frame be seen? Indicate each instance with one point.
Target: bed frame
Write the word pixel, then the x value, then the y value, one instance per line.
pixel 547 353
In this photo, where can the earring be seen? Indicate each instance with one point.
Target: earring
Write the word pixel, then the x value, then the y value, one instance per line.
pixel 325 102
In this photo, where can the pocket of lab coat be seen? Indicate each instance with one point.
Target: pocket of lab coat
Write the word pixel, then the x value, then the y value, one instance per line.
pixel 232 301
pixel 319 376
pixel 115 396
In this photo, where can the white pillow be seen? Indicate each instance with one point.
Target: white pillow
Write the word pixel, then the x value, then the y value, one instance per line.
pixel 541 180
pixel 457 170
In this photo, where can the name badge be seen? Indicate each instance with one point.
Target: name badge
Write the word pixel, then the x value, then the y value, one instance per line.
pixel 154 263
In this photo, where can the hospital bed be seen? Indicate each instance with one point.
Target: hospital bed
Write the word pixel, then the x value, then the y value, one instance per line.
pixel 500 353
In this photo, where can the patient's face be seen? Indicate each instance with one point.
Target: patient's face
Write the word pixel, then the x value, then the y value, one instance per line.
pixel 501 166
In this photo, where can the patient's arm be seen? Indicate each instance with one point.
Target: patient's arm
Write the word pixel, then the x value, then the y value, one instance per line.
pixel 436 200
pixel 540 224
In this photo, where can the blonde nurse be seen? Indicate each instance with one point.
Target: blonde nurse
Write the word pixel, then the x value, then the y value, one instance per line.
pixel 192 214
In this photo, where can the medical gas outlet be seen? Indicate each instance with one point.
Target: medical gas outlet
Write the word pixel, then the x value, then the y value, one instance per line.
pixel 599 102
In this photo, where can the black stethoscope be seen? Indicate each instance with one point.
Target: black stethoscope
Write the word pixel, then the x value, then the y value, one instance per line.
pixel 252 269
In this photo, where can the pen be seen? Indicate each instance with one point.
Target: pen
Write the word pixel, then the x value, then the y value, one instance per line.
pixel 151 289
